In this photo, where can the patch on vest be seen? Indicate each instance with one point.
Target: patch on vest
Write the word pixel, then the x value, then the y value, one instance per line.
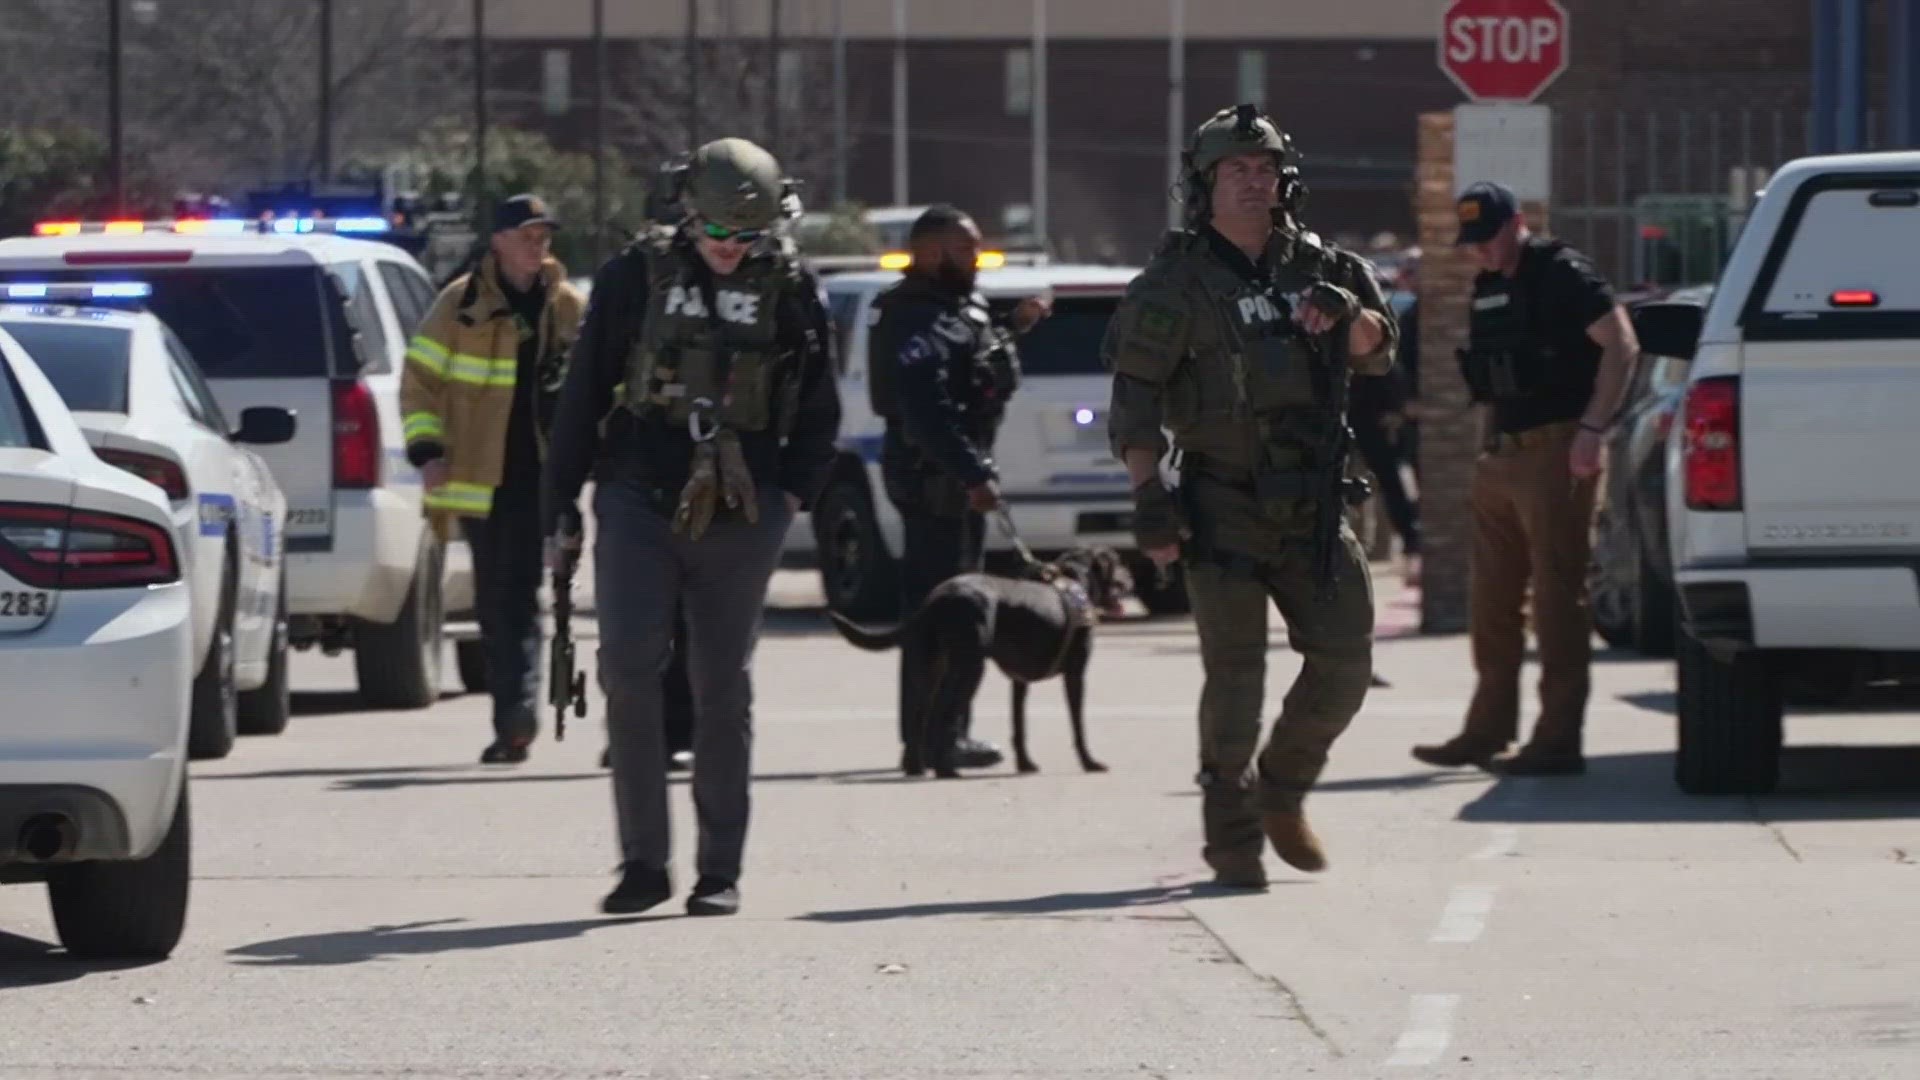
pixel 1488 303
pixel 953 329
pixel 739 308
pixel 1159 322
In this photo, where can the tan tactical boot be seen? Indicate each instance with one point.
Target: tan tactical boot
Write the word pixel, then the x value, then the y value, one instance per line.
pixel 1293 840
pixel 1237 869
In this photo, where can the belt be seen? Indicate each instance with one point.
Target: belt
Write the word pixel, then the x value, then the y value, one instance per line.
pixel 1557 432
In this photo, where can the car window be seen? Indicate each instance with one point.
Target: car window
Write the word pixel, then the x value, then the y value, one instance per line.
pixel 1843 260
pixel 87 364
pixel 363 314
pixel 1068 341
pixel 200 400
pixel 844 307
pixel 17 429
pixel 405 295
pixel 241 322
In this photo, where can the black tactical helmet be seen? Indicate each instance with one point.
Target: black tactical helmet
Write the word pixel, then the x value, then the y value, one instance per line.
pixel 734 183
pixel 1235 131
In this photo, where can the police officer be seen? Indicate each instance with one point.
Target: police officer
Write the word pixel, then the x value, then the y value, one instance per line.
pixel 1549 354
pixel 704 352
pixel 1238 339
pixel 940 373
pixel 482 374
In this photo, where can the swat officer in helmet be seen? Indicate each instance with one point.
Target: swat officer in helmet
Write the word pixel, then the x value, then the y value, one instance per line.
pixel 941 369
pixel 702 398
pixel 1237 341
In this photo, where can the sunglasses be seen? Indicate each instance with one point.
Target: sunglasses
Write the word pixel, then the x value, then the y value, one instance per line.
pixel 739 236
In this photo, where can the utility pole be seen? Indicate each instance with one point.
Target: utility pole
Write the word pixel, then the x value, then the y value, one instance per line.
pixel 839 104
pixel 1039 94
pixel 693 73
pixel 1176 104
pixel 326 92
pixel 599 130
pixel 116 160
pixel 900 102
pixel 773 81
pixel 480 106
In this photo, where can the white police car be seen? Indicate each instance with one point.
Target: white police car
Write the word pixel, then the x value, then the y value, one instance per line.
pixel 96 657
pixel 137 394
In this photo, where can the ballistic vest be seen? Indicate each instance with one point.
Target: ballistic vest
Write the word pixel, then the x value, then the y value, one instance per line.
pixel 985 370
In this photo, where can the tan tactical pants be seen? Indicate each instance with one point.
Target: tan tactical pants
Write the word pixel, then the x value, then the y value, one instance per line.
pixel 1531 527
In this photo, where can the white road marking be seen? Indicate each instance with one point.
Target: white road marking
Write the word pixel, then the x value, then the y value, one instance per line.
pixel 1429 1029
pixel 1501 845
pixel 1465 916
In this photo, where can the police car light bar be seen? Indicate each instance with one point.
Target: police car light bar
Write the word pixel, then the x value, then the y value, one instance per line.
pixel 289 224
pixel 69 291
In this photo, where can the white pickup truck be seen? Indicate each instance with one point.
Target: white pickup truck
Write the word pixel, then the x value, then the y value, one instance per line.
pixel 1793 496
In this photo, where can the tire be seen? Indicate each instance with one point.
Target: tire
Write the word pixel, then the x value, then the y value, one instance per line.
pixel 265 711
pixel 1655 612
pixel 1170 599
pixel 471 658
pixel 128 910
pixel 1611 601
pixel 1728 719
pixel 398 663
pixel 858 577
pixel 215 719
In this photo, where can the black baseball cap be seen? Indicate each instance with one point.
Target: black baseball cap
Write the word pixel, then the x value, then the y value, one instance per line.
pixel 523 209
pixel 1484 207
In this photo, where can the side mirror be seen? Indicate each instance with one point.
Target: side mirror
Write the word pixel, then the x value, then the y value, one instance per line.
pixel 1669 329
pixel 265 425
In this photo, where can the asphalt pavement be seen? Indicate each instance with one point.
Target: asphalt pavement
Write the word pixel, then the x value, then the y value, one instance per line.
pixel 370 902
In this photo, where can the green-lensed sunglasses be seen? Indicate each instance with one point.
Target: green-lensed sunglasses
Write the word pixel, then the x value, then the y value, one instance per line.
pixel 720 232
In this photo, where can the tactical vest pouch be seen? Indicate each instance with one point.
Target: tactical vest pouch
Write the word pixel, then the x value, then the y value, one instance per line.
pixel 1278 374
pixel 749 401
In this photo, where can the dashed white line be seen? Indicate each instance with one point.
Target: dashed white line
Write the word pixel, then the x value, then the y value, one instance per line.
pixel 1465 915
pixel 1429 1029
pixel 1501 845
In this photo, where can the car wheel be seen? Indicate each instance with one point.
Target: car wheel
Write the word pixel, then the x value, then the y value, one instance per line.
pixel 216 702
pixel 1728 718
pixel 129 910
pixel 398 663
pixel 1654 611
pixel 1609 597
pixel 857 575
pixel 471 658
pixel 265 711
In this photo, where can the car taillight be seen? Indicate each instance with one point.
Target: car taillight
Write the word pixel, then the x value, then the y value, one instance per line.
pixel 52 547
pixel 356 436
pixel 157 471
pixel 1711 447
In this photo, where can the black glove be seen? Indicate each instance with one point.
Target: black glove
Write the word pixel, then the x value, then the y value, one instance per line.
pixel 1157 518
pixel 564 541
pixel 1333 300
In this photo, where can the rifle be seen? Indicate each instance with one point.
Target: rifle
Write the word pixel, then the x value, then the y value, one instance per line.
pixel 565 685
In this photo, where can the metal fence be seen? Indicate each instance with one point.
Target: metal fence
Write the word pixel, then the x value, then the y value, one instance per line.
pixel 1657 198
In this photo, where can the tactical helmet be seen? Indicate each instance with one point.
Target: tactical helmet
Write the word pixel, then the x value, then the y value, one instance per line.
pixel 1235 131
pixel 734 183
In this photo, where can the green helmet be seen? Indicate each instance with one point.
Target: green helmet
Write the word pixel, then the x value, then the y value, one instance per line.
pixel 1236 131
pixel 734 183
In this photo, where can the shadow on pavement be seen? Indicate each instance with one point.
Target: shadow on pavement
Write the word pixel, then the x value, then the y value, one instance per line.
pixel 27 962
pixel 1865 702
pixel 393 778
pixel 1817 783
pixel 1051 904
pixel 425 938
pixel 336 702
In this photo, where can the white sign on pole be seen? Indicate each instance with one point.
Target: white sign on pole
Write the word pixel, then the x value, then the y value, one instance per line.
pixel 1511 144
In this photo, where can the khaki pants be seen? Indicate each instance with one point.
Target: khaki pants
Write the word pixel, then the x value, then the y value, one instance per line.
pixel 1531 527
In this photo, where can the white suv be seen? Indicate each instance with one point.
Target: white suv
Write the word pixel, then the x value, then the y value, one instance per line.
pixel 1061 482
pixel 1792 494
pixel 313 319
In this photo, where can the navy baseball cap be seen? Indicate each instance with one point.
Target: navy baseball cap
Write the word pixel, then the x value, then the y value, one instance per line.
pixel 1484 208
pixel 523 210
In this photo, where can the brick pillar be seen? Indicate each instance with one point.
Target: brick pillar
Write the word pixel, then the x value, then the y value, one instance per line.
pixel 1450 425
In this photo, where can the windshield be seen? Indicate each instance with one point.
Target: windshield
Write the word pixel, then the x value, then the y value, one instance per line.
pixel 240 322
pixel 86 364
pixel 1068 341
pixel 16 431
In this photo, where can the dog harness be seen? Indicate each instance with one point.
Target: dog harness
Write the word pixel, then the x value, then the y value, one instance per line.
pixel 1080 613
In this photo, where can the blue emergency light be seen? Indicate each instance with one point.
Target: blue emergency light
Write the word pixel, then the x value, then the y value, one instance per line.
pixel 79 290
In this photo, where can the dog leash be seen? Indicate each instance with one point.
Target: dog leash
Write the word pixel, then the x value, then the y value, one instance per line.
pixel 1005 518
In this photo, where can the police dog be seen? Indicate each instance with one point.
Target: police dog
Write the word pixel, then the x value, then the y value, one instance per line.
pixel 1033 627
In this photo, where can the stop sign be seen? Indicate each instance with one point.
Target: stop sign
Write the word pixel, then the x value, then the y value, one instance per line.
pixel 1503 50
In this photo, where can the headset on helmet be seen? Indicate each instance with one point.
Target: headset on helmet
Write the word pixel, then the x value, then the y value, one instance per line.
pixel 1230 131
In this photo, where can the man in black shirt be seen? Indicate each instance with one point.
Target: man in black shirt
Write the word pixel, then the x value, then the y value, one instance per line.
pixel 702 397
pixel 1550 355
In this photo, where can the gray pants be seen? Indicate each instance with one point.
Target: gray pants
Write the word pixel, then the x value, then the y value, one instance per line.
pixel 642 573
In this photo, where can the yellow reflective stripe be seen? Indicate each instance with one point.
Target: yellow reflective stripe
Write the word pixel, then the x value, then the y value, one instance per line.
pixel 429 353
pixel 482 370
pixel 466 498
pixel 421 425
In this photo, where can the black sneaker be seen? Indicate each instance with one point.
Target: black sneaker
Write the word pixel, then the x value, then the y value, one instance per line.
pixel 505 752
pixel 640 888
pixel 712 896
pixel 974 754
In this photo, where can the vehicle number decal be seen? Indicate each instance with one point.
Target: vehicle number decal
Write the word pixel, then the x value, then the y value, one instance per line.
pixel 24 605
pixel 308 519
pixel 216 513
